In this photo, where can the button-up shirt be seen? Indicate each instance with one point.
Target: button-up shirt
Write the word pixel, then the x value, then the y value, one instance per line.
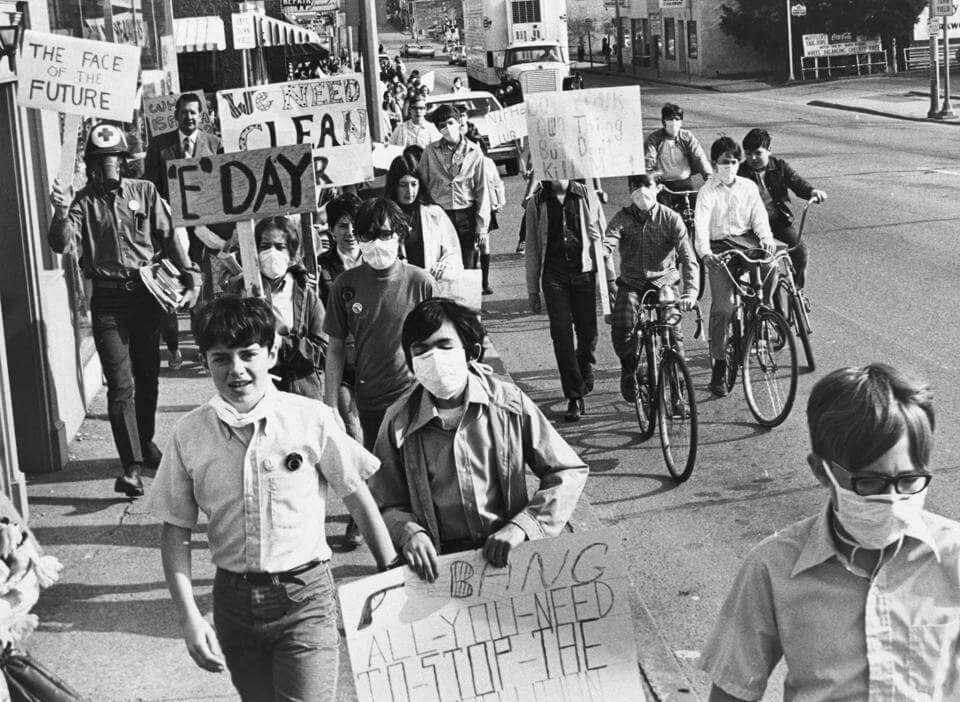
pixel 117 231
pixel 454 176
pixel 188 142
pixel 408 134
pixel 724 211
pixel 265 515
pixel 843 635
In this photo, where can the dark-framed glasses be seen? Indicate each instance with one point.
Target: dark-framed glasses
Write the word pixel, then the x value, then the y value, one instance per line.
pixel 381 234
pixel 872 484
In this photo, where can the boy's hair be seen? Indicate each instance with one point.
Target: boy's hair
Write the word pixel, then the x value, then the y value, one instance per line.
pixel 473 134
pixel 405 165
pixel 671 111
pixel 641 180
pixel 445 112
pixel 725 145
pixel 375 213
pixel 756 139
pixel 415 151
pixel 429 315
pixel 284 225
pixel 855 415
pixel 345 205
pixel 186 98
pixel 234 322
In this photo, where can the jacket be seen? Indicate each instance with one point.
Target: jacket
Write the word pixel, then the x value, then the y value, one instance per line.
pixel 440 241
pixel 167 147
pixel 779 180
pixel 696 157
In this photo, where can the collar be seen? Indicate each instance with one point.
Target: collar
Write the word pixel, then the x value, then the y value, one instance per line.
pixel 453 148
pixel 345 256
pixel 191 137
pixel 427 410
pixel 643 215
pixel 819 546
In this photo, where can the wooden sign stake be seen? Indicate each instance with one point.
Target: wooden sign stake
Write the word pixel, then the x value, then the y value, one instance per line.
pixel 249 259
pixel 307 243
pixel 68 155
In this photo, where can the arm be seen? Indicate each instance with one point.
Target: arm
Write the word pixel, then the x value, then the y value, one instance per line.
pixel 67 220
pixel 532 256
pixel 482 197
pixel 796 183
pixel 701 222
pixel 698 158
pixel 364 510
pixel 305 348
pixel 333 371
pixel 759 220
pixel 397 138
pixel 198 634
pixel 650 150
pixel 689 268
pixel 450 256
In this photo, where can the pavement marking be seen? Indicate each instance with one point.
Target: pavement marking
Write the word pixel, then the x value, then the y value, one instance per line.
pixel 944 171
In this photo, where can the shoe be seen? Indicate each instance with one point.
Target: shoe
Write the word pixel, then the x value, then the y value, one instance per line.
pixel 352 537
pixel 718 382
pixel 521 247
pixel 176 360
pixel 152 456
pixel 628 388
pixel 487 290
pixel 575 408
pixel 129 482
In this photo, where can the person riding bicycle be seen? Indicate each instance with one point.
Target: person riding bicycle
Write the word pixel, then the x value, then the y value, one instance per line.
pixel 775 179
pixel 674 154
pixel 652 239
pixel 729 215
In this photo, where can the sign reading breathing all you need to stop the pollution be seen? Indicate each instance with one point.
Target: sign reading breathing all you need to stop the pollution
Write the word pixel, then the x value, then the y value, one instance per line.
pixel 585 133
pixel 554 624
pixel 328 113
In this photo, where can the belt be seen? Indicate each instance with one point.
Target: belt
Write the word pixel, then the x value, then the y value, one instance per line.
pixel 258 579
pixel 126 284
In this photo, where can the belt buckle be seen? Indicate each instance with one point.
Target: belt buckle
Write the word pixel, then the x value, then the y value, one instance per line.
pixel 129 285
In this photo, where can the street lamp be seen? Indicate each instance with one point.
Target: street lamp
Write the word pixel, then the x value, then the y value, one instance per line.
pixel 11 28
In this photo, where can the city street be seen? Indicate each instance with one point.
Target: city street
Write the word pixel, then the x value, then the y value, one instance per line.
pixel 882 284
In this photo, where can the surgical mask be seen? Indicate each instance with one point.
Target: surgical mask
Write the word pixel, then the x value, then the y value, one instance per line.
pixel 727 173
pixel 273 263
pixel 643 198
pixel 380 254
pixel 875 521
pixel 672 127
pixel 451 134
pixel 443 372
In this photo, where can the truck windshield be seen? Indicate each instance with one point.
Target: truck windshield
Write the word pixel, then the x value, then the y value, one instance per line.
pixel 532 54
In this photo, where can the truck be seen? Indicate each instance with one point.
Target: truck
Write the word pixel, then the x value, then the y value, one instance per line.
pixel 515 47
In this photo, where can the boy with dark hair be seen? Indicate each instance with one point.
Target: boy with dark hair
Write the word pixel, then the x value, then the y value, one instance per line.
pixel 860 600
pixel 729 214
pixel 775 179
pixel 257 462
pixel 674 153
pixel 455 447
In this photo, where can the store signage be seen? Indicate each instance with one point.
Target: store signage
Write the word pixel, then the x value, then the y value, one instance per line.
pixel 656 23
pixel 944 8
pixel 244 30
pixel 798 10
pixel 819 45
pixel 672 4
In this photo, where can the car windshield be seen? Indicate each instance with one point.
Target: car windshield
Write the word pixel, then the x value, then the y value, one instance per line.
pixel 476 107
pixel 532 54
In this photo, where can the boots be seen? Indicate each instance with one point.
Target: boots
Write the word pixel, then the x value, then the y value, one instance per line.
pixel 718 382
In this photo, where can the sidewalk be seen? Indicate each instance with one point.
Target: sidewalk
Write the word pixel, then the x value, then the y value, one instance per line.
pixel 108 627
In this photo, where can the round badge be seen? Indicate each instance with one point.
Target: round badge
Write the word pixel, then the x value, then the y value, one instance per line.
pixel 347 294
pixel 357 308
pixel 134 205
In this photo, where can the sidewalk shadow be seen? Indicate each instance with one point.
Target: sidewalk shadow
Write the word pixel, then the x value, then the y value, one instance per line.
pixel 111 534
pixel 80 469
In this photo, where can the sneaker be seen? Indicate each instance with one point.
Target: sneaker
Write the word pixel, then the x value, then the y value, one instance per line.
pixel 718 382
pixel 521 247
pixel 575 408
pixel 129 483
pixel 487 290
pixel 628 387
pixel 176 360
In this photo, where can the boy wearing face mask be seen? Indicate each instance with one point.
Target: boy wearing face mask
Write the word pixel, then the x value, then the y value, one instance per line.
pixel 674 153
pixel 862 599
pixel 369 303
pixel 729 214
pixel 652 238
pixel 454 451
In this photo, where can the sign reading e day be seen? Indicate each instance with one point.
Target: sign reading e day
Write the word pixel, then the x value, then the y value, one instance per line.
pixel 507 125
pixel 78 76
pixel 329 114
pixel 242 186
pixel 585 133
pixel 555 623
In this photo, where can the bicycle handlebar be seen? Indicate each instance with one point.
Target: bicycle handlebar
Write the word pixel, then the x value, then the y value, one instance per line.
pixel 656 304
pixel 678 193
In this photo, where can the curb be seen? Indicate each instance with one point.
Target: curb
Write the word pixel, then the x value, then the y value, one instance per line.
pixel 879 113
pixel 664 678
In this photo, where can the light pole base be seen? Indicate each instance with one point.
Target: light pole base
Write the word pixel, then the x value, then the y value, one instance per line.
pixel 947 114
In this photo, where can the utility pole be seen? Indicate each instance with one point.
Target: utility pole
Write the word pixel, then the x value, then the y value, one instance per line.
pixel 790 40
pixel 934 66
pixel 947 111
pixel 619 36
pixel 371 65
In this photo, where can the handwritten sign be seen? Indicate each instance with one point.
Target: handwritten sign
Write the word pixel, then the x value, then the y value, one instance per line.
pixel 585 133
pixel 555 624
pixel 160 113
pixel 244 30
pixel 78 76
pixel 507 125
pixel 242 186
pixel 328 113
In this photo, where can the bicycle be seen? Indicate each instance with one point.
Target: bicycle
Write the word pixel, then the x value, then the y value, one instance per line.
pixel 663 391
pixel 790 301
pixel 758 334
pixel 683 205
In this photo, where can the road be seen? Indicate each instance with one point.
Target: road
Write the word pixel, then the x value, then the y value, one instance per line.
pixel 883 287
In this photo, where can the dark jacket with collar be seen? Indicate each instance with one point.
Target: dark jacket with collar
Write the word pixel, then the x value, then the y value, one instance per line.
pixel 167 147
pixel 779 180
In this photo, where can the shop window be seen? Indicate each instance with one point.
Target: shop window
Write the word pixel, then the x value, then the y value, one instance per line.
pixel 692 39
pixel 669 38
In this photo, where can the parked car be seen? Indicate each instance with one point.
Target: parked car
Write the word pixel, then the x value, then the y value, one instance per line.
pixel 417 51
pixel 479 104
pixel 458 55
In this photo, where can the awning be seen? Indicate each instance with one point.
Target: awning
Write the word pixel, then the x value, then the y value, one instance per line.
pixel 275 32
pixel 199 34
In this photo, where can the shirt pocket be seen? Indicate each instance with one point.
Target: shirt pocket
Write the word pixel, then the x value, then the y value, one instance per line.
pixel 293 495
pixel 934 651
pixel 141 227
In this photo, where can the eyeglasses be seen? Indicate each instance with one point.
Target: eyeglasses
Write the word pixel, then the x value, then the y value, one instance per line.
pixel 871 484
pixel 381 234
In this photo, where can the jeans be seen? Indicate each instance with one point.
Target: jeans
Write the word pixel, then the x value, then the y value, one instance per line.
pixel 626 307
pixel 279 640
pixel 722 303
pixel 784 231
pixel 572 308
pixel 465 222
pixel 126 331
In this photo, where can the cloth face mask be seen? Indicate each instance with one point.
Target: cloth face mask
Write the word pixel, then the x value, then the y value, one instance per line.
pixel 380 254
pixel 443 372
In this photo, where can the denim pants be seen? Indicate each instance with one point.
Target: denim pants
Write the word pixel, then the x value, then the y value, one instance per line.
pixel 279 640
pixel 572 308
pixel 126 331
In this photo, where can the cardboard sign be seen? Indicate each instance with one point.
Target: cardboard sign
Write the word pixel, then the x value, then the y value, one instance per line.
pixel 244 30
pixel 507 125
pixel 554 624
pixel 241 186
pixel 159 113
pixel 384 154
pixel 78 76
pixel 585 133
pixel 429 79
pixel 328 113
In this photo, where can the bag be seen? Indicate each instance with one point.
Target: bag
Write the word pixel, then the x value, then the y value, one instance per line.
pixel 29 681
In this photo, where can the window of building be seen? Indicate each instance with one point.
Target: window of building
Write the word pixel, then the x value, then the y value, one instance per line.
pixel 692 39
pixel 525 11
pixel 669 38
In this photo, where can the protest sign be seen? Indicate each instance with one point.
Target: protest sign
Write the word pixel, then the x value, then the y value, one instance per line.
pixel 328 113
pixel 585 133
pixel 429 79
pixel 383 155
pixel 159 113
pixel 553 624
pixel 507 125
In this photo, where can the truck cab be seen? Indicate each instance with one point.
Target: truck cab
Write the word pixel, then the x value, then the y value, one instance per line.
pixel 536 66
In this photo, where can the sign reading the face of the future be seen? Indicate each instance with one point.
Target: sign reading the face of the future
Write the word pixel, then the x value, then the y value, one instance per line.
pixel 242 186
pixel 329 114
pixel 78 76
pixel 554 624
pixel 585 133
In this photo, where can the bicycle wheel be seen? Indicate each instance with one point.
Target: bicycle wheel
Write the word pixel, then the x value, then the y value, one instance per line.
pixel 644 385
pixel 792 306
pixel 770 368
pixel 677 416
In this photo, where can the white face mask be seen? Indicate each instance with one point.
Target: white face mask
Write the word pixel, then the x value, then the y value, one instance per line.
pixel 875 521
pixel 644 198
pixel 451 134
pixel 726 172
pixel 273 263
pixel 443 372
pixel 672 127
pixel 380 254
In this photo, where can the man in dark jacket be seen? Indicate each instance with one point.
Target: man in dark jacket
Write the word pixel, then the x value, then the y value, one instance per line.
pixel 775 179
